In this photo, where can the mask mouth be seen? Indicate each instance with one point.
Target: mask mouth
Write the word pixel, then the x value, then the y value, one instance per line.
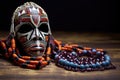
pixel 36 50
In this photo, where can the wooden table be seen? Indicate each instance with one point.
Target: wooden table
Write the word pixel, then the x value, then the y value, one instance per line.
pixel 108 41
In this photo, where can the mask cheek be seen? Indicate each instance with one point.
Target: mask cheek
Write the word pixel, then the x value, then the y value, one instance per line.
pixel 22 39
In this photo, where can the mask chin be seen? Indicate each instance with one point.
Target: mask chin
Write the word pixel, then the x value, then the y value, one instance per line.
pixel 36 53
pixel 33 49
pixel 36 49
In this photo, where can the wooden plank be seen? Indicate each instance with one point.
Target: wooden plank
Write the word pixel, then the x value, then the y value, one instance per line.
pixel 8 71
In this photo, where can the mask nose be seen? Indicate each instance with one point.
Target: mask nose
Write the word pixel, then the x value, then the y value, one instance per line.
pixel 37 35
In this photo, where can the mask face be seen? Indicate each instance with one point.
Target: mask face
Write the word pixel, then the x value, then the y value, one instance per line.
pixel 31 28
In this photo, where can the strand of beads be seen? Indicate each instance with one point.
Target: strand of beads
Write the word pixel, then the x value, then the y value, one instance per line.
pixel 32 62
pixel 76 58
pixel 11 52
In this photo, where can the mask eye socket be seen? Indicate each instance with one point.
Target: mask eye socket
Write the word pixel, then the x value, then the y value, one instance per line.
pixel 43 27
pixel 25 28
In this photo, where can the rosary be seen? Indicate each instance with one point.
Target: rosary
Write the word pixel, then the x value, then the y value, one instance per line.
pixel 31 45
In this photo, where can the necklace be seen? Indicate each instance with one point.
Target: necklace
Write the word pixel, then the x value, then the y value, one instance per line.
pixel 71 57
pixel 24 61
pixel 76 58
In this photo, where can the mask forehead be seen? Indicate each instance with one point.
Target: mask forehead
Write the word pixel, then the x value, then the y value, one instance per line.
pixel 35 15
pixel 32 15
pixel 29 12
pixel 35 19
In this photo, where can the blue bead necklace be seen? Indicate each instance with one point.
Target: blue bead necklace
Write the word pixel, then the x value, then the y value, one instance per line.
pixel 78 58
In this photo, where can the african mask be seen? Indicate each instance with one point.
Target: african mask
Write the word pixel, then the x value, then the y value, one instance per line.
pixel 30 26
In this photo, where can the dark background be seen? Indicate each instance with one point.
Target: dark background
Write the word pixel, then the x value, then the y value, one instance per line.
pixel 70 15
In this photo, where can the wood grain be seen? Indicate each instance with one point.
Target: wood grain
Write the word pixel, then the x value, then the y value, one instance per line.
pixel 108 41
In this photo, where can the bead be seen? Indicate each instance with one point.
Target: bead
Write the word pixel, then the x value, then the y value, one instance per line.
pixel 81 66
pixel 84 52
pixel 98 53
pixel 104 63
pixel 107 62
pixel 61 61
pixel 82 59
pixel 72 65
pixel 74 53
pixel 38 65
pixel 66 67
pixel 86 66
pixel 56 56
pixel 93 50
pixel 16 58
pixel 107 57
pixel 88 69
pixel 66 62
pixel 24 65
pixel 79 46
pixel 27 61
pixel 19 56
pixel 97 64
pixel 93 65
pixel 32 58
pixel 98 60
pixel 102 53
pixel 87 59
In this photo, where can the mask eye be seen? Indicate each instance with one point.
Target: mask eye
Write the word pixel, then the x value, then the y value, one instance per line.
pixel 43 27
pixel 25 28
